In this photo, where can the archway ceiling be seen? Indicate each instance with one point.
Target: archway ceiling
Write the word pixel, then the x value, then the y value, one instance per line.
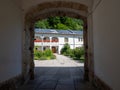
pixel 53 8
pixel 27 4
pixel 58 12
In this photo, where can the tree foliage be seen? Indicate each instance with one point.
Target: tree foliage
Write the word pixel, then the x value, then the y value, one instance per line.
pixel 64 23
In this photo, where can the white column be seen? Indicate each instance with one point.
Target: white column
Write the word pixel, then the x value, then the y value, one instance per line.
pixel 42 42
pixel 50 43
pixel 73 41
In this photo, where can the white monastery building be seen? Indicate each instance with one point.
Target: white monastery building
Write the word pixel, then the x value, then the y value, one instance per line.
pixel 56 39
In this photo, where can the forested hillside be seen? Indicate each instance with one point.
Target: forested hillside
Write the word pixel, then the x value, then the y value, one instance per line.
pixel 64 23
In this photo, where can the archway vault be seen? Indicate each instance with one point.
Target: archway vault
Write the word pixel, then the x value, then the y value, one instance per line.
pixel 45 10
pixel 67 6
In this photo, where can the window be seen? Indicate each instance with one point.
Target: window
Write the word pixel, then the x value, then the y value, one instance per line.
pixel 79 39
pixel 66 39
pixel 46 39
pixel 54 39
pixel 37 37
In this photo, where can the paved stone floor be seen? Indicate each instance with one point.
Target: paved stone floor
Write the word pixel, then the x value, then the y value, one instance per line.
pixel 60 74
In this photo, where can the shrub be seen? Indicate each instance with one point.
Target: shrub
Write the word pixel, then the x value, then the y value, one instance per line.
pixel 82 58
pixel 82 51
pixel 72 53
pixel 65 49
pixel 43 55
pixel 43 58
pixel 48 52
pixel 53 57
pixel 38 53
pixel 36 58
pixel 76 54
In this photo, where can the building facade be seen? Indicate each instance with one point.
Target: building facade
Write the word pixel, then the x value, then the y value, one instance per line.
pixel 56 39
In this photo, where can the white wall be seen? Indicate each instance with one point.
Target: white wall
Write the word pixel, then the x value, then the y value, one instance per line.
pixel 10 39
pixel 106 30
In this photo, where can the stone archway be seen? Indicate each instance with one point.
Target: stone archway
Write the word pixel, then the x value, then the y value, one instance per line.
pixel 56 8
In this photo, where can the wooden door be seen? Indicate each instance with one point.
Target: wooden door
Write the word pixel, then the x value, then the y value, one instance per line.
pixel 54 49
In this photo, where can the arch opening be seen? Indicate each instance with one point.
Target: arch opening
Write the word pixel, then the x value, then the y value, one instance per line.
pixel 55 39
pixel 36 13
pixel 46 39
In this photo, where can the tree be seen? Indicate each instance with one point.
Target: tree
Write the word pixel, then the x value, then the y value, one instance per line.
pixel 42 24
pixel 63 23
pixel 62 26
pixel 53 21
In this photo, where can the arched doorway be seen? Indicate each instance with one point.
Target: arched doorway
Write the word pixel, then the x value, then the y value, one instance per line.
pixel 38 39
pixel 55 48
pixel 57 8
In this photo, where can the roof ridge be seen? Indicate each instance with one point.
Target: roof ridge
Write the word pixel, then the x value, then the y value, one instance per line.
pixel 39 30
pixel 71 31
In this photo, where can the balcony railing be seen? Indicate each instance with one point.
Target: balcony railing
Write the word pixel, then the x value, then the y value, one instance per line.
pixel 46 40
pixel 37 40
pixel 54 40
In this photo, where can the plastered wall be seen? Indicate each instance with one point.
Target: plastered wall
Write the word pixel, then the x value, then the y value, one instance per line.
pixel 106 34
pixel 10 39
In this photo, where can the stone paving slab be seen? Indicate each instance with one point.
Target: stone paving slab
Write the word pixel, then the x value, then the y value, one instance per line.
pixel 60 74
pixel 48 84
pixel 65 87
pixel 66 82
